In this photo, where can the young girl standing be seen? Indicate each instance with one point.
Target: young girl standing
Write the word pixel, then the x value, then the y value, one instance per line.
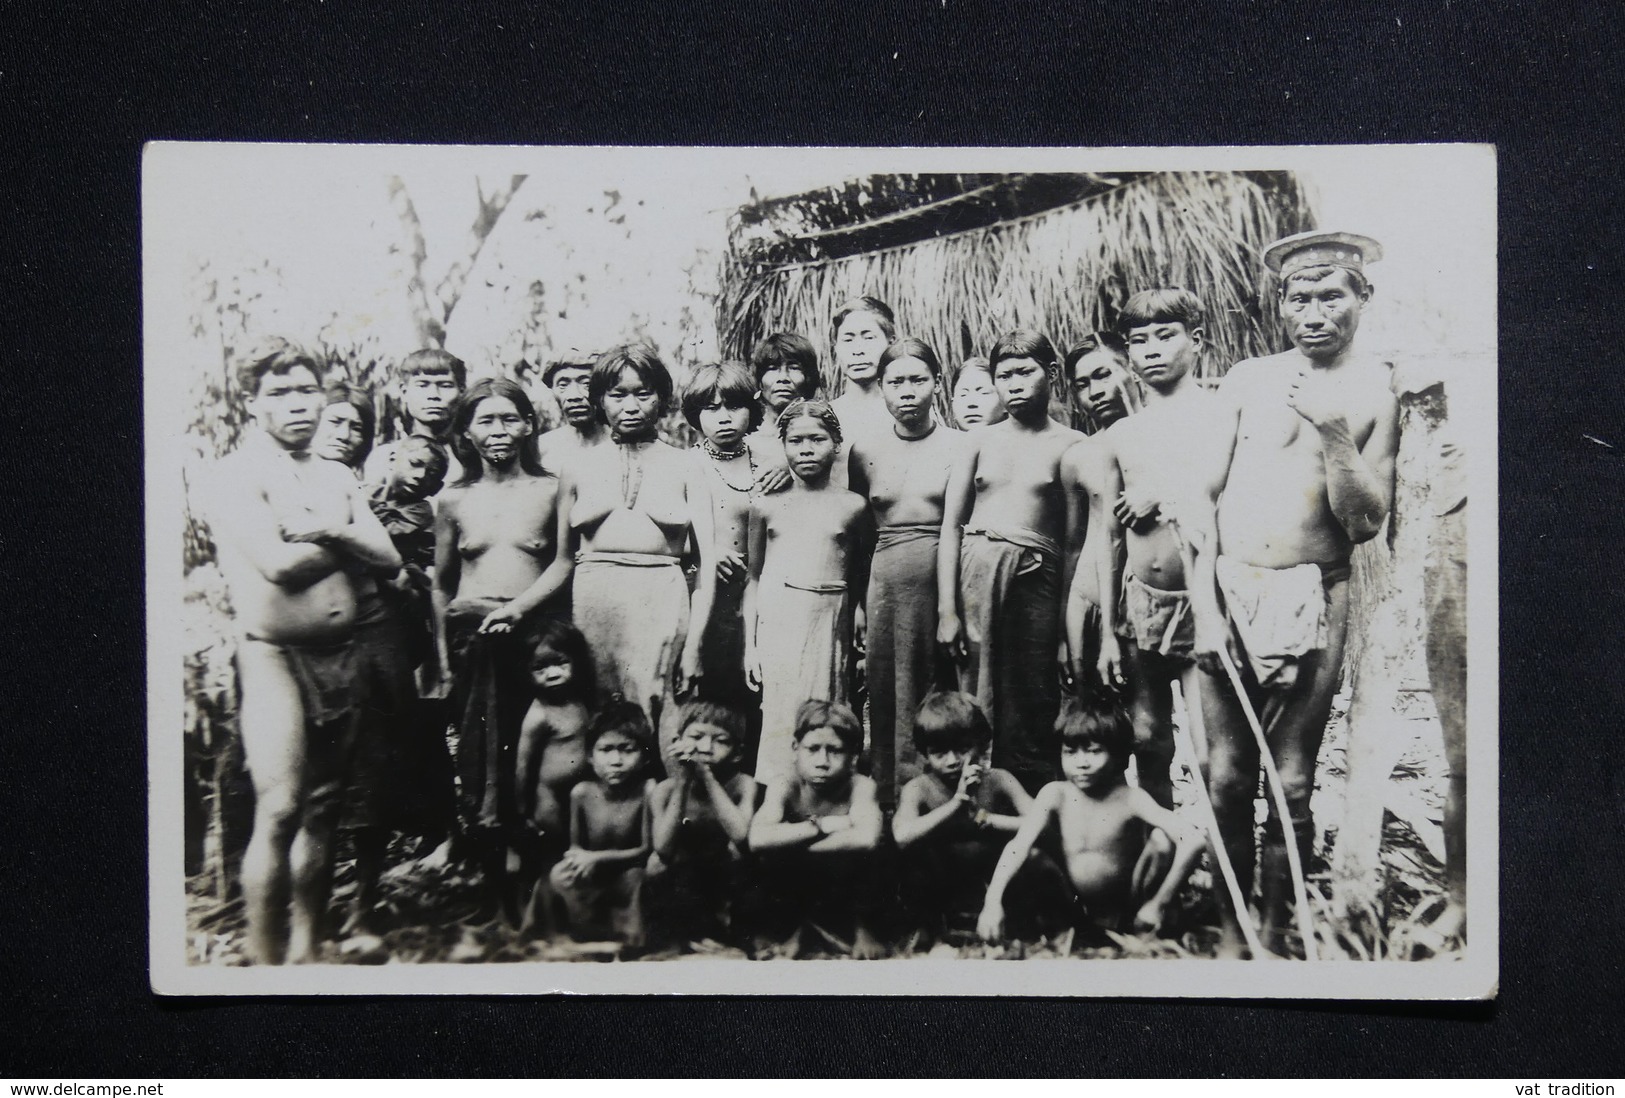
pixel 808 552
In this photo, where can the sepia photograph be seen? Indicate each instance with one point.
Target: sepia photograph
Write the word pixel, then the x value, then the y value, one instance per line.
pixel 822 571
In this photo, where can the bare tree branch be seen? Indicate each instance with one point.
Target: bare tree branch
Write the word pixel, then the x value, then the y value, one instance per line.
pixel 450 289
pixel 431 329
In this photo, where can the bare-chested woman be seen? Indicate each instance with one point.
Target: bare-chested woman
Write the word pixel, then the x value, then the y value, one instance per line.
pixel 291 529
pixel 634 505
pixel 500 558
pixel 904 475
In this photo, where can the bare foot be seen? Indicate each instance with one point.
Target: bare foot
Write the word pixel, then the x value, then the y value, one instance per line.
pixel 1231 945
pixel 865 946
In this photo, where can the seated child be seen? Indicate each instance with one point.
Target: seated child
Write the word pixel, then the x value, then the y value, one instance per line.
pixel 954 819
pixel 599 880
pixel 700 817
pixel 552 754
pixel 1104 824
pixel 817 839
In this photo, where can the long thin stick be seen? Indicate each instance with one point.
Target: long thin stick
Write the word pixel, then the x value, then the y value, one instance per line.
pixel 1272 776
pixel 1306 922
pixel 1221 856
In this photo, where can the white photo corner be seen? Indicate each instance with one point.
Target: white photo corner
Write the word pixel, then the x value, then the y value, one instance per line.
pixel 826 571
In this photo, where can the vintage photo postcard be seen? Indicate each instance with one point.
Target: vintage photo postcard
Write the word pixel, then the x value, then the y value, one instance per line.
pixel 838 571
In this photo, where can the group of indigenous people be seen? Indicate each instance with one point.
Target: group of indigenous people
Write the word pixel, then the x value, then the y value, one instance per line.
pixel 842 671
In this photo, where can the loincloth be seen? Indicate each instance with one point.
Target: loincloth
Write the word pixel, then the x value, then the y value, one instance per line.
pixel 1280 614
pixel 1157 620
pixel 326 677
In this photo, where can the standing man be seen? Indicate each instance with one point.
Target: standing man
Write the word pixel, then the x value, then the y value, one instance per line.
pixel 1010 533
pixel 1305 471
pixel 431 380
pixel 291 529
pixel 1147 635
pixel 1102 394
pixel 904 476
pixel 566 379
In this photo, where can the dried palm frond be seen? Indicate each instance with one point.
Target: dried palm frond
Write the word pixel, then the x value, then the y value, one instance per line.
pixel 1065 271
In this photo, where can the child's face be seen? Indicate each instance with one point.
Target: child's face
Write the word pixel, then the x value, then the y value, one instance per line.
pixel 808 445
pixel 1022 384
pixel 411 473
pixel 1164 352
pixel 724 427
pixel 947 760
pixel 975 402
pixel 703 741
pixel 429 397
pixel 909 388
pixel 1097 383
pixel 551 670
pixel 821 757
pixel 1090 765
pixel 616 758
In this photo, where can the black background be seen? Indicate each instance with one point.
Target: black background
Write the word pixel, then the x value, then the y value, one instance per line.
pixel 83 88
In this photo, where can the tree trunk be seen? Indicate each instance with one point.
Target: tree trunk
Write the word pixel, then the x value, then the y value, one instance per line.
pixel 432 312
pixel 1385 659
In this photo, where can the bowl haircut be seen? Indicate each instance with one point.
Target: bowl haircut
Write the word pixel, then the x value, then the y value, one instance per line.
pixel 642 360
pixel 1086 724
pixel 1161 306
pixel 787 349
pixel 276 356
pixel 629 720
pixel 431 361
pixel 725 717
pixel 838 718
pixel 951 719
pixel 1022 343
pixel 553 368
pixel 910 348
pixel 727 381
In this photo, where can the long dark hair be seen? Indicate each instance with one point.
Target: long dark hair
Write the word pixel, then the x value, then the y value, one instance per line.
pixel 908 347
pixel 462 414
pixel 568 641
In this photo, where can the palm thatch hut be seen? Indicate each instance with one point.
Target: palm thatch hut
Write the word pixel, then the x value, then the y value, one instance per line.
pixel 962 258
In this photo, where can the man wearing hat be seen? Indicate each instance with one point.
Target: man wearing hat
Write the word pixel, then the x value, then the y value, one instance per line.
pixel 1307 474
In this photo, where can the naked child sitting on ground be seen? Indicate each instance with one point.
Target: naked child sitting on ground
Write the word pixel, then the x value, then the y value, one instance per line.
pixel 291 530
pixel 1305 472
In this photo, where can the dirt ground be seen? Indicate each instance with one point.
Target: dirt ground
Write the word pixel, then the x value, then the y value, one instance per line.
pixel 429 906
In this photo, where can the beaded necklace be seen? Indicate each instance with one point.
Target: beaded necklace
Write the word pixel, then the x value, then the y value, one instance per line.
pixel 720 456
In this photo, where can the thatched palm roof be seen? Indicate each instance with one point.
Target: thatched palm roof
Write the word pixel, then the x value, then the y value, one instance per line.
pixel 962 258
